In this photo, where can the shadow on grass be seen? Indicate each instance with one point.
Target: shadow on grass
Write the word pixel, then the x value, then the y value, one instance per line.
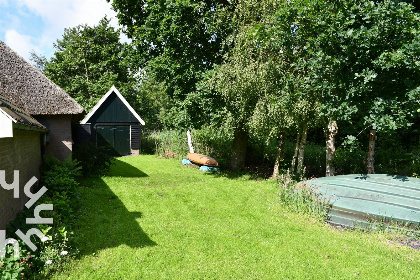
pixel 105 222
pixel 249 173
pixel 123 169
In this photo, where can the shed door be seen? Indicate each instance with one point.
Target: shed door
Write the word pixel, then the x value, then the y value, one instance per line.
pixel 117 136
pixel 122 139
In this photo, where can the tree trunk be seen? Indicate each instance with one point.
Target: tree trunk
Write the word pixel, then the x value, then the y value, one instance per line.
pixel 279 157
pixel 330 134
pixel 86 72
pixel 239 145
pixel 371 154
pixel 295 155
pixel 302 146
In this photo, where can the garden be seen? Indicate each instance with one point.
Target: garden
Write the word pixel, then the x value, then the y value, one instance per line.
pixel 153 218
pixel 277 92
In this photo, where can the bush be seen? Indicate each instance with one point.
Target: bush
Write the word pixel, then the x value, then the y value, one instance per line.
pixel 216 143
pixel 94 160
pixel 59 178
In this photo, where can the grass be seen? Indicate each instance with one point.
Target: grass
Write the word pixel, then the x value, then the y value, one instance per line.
pixel 156 219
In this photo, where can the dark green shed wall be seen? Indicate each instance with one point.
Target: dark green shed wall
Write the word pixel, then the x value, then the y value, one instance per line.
pixel 113 110
pixel 112 124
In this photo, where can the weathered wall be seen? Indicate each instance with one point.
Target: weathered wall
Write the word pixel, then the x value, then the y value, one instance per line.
pixel 60 138
pixel 21 152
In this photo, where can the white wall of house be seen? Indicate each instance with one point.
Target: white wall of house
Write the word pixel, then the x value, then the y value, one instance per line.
pixel 6 125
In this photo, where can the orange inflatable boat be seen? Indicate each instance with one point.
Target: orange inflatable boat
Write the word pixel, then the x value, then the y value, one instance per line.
pixel 202 159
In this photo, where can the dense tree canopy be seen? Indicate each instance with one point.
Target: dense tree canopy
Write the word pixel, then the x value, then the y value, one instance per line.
pixel 356 59
pixel 264 69
pixel 176 41
pixel 88 61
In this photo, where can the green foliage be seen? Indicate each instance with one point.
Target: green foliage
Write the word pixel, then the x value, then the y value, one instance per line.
pixel 175 41
pixel 169 143
pixel 153 104
pixel 59 178
pixel 351 61
pixel 88 61
pixel 353 56
pixel 214 142
pixel 38 61
pixel 300 197
pixel 12 268
pixel 93 160
pixel 173 143
pixel 350 157
pixel 397 160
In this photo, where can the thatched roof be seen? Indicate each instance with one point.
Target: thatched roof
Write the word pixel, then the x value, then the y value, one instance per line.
pixel 31 90
pixel 17 114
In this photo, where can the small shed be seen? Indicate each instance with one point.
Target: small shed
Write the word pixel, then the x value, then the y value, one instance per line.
pixel 112 122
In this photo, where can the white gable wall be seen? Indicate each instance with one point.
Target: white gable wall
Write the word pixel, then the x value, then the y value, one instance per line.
pixel 6 125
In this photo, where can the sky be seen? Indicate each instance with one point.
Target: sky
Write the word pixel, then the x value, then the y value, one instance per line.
pixel 34 25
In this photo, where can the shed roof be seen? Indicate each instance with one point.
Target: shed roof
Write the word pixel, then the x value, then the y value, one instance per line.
pixel 17 115
pixel 31 90
pixel 98 105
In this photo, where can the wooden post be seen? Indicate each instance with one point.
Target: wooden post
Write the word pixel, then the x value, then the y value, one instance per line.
pixel 190 142
pixel 371 154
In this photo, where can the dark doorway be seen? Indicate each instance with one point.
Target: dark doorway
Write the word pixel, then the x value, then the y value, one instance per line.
pixel 117 136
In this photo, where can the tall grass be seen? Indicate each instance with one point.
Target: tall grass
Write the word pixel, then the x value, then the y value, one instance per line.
pixel 173 143
pixel 300 197
pixel 165 143
pixel 217 143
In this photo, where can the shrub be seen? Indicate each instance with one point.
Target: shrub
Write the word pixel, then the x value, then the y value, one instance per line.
pixel 216 143
pixel 349 157
pixel 59 178
pixel 94 160
pixel 171 142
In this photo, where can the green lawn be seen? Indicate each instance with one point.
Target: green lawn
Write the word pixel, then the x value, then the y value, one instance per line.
pixel 156 219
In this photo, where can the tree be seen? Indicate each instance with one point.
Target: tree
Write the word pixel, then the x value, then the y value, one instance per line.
pixel 272 120
pixel 88 61
pixel 38 60
pixel 245 78
pixel 176 41
pixel 351 58
pixel 239 82
pixel 372 61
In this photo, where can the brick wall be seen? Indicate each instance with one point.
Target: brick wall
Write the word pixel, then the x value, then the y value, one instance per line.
pixel 60 137
pixel 21 152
